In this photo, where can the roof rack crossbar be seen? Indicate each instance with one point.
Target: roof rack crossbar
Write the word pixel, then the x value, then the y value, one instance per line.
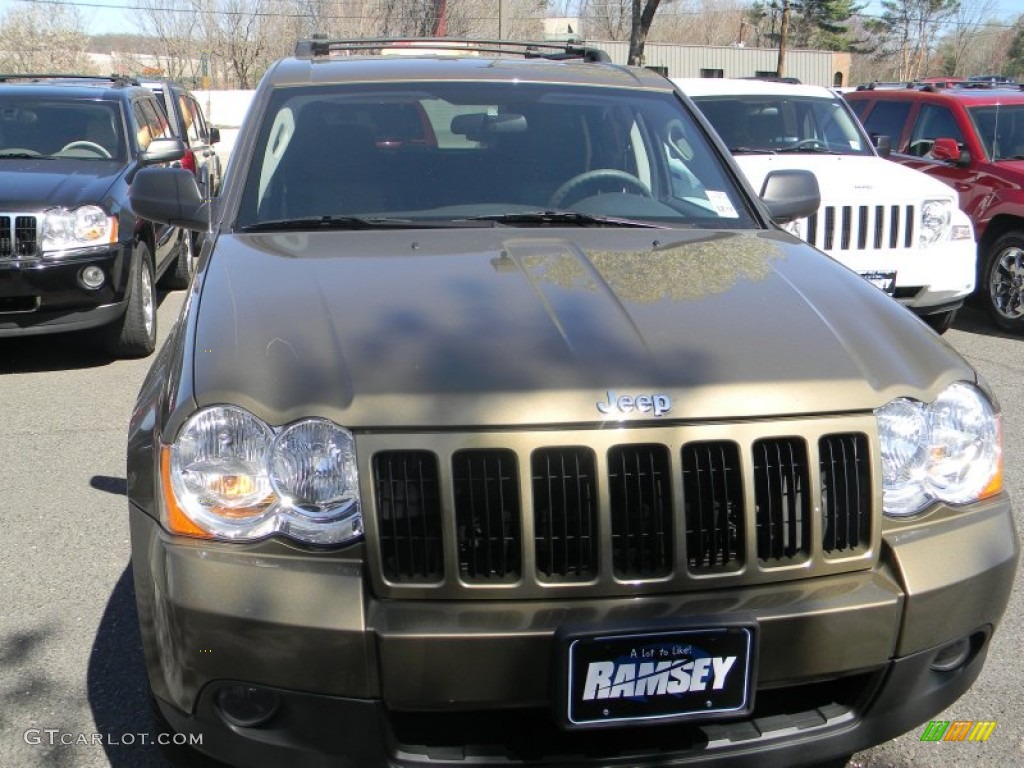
pixel 115 79
pixel 322 47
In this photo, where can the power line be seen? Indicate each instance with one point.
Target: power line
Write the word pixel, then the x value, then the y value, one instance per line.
pixel 193 10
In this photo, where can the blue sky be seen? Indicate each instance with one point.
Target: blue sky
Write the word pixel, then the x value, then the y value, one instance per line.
pixel 114 17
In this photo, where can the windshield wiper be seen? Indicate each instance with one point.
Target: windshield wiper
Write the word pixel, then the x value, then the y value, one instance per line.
pixel 14 155
pixel 815 149
pixel 751 150
pixel 335 222
pixel 571 218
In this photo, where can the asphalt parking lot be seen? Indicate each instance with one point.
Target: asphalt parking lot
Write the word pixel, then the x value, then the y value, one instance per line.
pixel 72 688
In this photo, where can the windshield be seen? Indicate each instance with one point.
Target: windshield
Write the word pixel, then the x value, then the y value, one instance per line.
pixel 778 123
pixel 1000 128
pixel 67 128
pixel 484 154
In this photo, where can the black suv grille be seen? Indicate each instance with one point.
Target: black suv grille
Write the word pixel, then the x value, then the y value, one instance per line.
pixel 18 236
pixel 664 517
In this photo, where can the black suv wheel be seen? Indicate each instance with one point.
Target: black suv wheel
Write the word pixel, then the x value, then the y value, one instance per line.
pixel 134 334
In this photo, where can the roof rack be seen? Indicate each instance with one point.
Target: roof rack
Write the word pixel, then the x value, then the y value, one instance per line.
pixel 774 79
pixel 319 47
pixel 986 85
pixel 116 80
pixel 879 85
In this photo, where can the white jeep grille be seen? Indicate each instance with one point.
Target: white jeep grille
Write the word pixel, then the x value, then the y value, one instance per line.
pixel 862 227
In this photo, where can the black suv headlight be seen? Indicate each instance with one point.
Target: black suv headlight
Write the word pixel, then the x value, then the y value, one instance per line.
pixel 228 475
pixel 949 450
pixel 66 229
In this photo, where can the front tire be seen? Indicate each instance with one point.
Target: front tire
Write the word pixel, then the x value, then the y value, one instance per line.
pixel 179 276
pixel 1001 282
pixel 134 333
pixel 940 322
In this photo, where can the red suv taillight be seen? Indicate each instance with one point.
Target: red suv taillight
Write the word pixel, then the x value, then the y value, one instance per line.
pixel 189 160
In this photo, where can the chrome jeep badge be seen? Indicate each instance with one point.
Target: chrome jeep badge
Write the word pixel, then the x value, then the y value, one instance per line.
pixel 656 403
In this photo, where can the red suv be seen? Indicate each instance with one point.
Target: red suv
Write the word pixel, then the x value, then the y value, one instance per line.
pixel 972 138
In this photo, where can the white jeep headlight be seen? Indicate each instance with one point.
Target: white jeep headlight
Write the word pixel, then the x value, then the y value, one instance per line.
pixel 230 476
pixel 66 229
pixel 936 218
pixel 949 450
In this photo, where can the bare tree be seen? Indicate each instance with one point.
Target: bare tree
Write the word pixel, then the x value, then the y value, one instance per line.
pixel 969 20
pixel 176 24
pixel 44 39
pixel 907 30
pixel 607 19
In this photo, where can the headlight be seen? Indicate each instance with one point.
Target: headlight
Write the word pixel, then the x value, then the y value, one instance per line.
pixel 936 216
pixel 230 476
pixel 65 229
pixel 949 450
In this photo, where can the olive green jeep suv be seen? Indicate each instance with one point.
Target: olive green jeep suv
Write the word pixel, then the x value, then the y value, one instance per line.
pixel 503 425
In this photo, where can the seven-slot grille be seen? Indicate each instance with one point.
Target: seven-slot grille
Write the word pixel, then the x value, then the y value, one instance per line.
pixel 862 227
pixel 626 513
pixel 18 235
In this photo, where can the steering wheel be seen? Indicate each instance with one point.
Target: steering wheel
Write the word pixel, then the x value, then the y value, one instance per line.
pixel 595 178
pixel 90 145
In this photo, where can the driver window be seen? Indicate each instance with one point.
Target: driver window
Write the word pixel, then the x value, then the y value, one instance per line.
pixel 933 123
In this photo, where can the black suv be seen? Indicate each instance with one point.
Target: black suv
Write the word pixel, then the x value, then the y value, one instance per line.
pixel 189 124
pixel 73 255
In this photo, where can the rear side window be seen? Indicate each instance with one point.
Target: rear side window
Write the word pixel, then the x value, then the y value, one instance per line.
pixel 859 108
pixel 150 123
pixel 193 119
pixel 888 119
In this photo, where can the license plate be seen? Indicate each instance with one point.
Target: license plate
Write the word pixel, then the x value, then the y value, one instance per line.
pixel 660 676
pixel 886 281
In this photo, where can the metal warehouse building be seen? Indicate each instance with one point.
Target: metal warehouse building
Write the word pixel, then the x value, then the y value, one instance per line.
pixel 813 67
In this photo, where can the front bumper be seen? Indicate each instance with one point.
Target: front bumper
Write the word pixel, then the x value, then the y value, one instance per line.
pixel 927 280
pixel 47 295
pixel 844 661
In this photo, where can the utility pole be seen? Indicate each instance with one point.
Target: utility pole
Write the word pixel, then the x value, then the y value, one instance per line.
pixel 780 70
pixel 440 18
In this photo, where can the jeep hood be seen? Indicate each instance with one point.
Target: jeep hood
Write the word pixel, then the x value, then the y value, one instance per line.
pixel 34 185
pixel 505 326
pixel 850 179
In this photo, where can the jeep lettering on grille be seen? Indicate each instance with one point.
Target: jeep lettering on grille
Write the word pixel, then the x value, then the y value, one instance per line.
pixel 658 404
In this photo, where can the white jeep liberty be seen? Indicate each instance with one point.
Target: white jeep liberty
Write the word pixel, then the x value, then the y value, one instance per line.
pixel 895 226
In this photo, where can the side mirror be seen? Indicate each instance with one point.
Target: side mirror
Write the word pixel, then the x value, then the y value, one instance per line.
pixel 214 134
pixel 883 144
pixel 170 196
pixel 948 151
pixel 790 195
pixel 162 151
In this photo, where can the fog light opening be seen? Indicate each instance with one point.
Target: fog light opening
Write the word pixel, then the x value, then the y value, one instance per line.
pixel 952 656
pixel 92 277
pixel 247 706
